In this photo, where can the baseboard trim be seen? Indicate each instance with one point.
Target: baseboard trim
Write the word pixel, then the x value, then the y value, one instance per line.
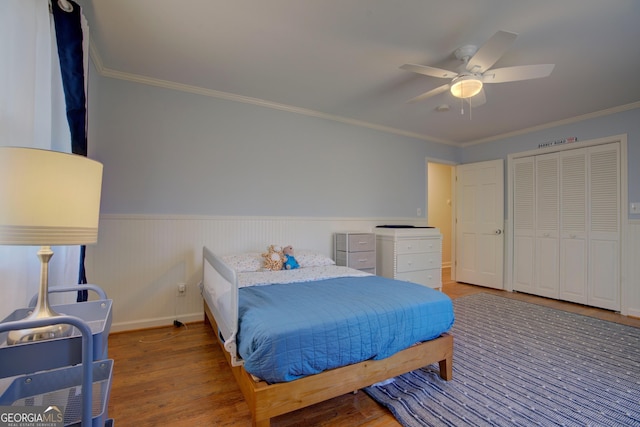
pixel 157 322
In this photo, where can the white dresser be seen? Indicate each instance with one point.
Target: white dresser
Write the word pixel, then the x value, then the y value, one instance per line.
pixel 410 254
pixel 356 250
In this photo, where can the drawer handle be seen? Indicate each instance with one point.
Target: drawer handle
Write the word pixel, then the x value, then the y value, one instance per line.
pixel 363 243
pixel 362 260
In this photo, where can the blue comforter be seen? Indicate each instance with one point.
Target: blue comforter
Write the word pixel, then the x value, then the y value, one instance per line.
pixel 288 331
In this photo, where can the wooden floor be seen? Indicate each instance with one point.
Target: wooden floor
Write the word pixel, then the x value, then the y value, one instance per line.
pixel 179 377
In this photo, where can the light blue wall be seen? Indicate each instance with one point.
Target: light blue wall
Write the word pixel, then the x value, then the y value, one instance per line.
pixel 626 122
pixel 170 152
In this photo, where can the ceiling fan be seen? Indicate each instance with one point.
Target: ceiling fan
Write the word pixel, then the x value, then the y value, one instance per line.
pixel 475 70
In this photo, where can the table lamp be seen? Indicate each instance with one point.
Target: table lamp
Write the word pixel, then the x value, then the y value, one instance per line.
pixel 47 198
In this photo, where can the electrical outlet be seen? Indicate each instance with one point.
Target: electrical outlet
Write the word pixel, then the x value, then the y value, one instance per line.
pixel 634 208
pixel 182 289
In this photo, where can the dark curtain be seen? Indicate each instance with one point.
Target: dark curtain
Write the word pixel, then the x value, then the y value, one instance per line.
pixel 69 38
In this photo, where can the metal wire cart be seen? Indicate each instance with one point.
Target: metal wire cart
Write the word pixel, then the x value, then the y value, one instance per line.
pixel 73 372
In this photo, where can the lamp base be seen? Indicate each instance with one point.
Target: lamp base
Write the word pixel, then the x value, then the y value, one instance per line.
pixel 50 332
pixel 42 310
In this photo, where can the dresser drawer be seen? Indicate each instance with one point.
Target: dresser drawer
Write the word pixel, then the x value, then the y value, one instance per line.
pixel 418 261
pixel 431 278
pixel 356 250
pixel 407 246
pixel 356 242
pixel 357 260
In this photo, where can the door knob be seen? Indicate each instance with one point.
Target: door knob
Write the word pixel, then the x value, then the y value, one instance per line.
pixel 498 231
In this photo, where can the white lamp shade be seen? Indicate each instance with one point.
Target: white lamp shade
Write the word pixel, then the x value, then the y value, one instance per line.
pixel 48 198
pixel 466 86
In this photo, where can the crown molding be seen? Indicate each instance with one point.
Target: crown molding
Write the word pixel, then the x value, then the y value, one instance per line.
pixel 114 74
pixel 549 125
pixel 110 73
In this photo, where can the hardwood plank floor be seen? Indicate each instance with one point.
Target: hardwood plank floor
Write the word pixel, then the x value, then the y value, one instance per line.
pixel 179 377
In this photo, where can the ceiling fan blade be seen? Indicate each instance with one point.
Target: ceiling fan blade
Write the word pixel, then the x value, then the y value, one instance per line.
pixel 431 93
pixel 491 51
pixel 521 72
pixel 429 71
pixel 478 100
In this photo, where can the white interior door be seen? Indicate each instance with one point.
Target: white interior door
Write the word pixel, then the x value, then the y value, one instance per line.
pixel 479 223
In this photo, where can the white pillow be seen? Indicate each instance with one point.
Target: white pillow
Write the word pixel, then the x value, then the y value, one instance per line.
pixel 250 261
pixel 312 259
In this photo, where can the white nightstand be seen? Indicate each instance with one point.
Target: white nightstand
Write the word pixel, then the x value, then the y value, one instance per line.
pixel 356 250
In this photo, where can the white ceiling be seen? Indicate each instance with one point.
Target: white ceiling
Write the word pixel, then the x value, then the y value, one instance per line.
pixel 339 58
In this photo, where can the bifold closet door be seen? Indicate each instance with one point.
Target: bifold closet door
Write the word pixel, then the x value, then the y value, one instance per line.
pixel 603 289
pixel 590 226
pixel 567 225
pixel 524 225
pixel 536 225
pixel 547 226
pixel 573 220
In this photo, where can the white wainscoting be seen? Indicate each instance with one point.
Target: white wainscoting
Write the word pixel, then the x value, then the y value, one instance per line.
pixel 140 259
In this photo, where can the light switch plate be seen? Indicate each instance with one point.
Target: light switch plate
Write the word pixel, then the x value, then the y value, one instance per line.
pixel 634 208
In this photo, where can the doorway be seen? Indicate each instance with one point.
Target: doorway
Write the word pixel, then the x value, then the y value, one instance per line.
pixel 440 203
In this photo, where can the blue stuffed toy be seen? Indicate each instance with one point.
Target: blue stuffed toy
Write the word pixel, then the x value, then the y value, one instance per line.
pixel 290 262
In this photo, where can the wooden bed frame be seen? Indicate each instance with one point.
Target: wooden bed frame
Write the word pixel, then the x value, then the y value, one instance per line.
pixel 269 400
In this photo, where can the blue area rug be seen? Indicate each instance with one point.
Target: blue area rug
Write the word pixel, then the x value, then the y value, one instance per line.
pixel 522 364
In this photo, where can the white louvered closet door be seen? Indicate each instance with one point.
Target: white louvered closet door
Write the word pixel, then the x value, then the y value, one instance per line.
pixel 524 231
pixel 567 225
pixel 604 239
pixel 547 226
pixel 573 220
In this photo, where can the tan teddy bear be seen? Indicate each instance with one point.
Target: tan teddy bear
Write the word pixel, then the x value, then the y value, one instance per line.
pixel 273 258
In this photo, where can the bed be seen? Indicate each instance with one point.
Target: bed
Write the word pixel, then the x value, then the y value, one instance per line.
pixel 296 338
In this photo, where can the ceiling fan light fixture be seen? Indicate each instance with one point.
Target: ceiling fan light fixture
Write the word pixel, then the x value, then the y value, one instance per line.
pixel 466 86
